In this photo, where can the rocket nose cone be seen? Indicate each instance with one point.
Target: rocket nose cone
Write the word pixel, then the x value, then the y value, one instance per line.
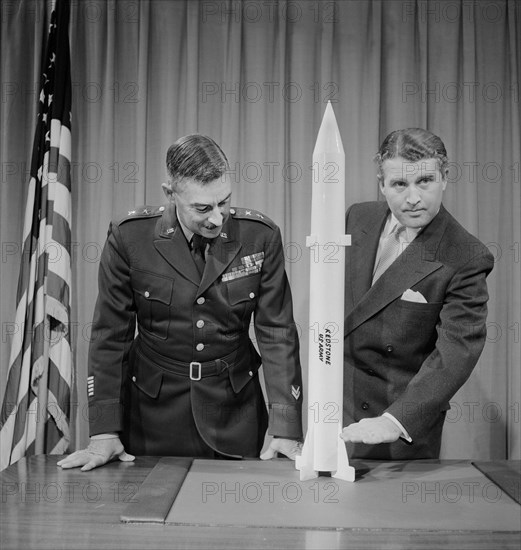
pixel 329 110
pixel 328 138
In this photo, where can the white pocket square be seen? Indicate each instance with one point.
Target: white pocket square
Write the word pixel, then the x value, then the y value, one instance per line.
pixel 413 296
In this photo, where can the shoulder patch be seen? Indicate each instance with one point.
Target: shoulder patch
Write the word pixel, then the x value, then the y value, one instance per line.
pixel 240 213
pixel 142 212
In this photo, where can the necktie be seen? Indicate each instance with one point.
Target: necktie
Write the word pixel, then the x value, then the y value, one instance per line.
pixel 390 251
pixel 198 246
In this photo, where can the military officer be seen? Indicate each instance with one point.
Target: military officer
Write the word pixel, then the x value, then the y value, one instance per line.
pixel 172 368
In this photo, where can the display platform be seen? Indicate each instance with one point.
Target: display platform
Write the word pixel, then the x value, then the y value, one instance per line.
pixel 399 495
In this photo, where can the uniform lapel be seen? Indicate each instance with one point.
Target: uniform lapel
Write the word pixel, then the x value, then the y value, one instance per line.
pixel 220 255
pixel 413 265
pixel 171 243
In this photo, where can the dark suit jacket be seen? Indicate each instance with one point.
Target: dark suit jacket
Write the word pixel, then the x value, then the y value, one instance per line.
pixel 139 384
pixel 404 357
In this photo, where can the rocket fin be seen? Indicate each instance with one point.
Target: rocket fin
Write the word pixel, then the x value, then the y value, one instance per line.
pixel 304 462
pixel 344 470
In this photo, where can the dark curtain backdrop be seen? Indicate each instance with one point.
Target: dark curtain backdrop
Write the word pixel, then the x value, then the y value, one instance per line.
pixel 256 77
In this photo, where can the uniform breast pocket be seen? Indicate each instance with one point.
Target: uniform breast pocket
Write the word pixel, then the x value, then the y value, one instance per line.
pixel 153 296
pixel 243 292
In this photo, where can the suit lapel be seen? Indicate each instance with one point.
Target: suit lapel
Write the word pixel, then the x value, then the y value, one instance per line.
pixel 413 265
pixel 363 254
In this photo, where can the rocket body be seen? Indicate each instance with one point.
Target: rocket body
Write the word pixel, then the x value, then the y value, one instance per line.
pixel 323 449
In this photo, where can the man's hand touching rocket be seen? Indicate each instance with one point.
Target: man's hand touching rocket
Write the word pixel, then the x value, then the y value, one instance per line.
pixel 372 431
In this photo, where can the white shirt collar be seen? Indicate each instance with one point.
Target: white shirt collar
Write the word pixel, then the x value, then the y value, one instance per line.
pixel 390 226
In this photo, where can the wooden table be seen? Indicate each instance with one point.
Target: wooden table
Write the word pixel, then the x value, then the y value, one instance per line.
pixel 43 506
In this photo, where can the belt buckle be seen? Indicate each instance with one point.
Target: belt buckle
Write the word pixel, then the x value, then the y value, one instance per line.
pixel 197 365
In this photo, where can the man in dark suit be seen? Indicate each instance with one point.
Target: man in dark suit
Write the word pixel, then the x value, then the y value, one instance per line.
pixel 191 274
pixel 416 299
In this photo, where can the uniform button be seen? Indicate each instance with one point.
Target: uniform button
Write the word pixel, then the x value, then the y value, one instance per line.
pixel 365 406
pixel 389 348
pixel 147 294
pixel 201 300
pixel 250 373
pixel 161 208
pixel 199 347
pixel 232 210
pixel 252 295
pixel 133 379
pixel 199 324
pixel 370 372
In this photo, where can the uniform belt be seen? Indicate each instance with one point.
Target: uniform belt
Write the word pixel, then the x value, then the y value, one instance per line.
pixel 195 370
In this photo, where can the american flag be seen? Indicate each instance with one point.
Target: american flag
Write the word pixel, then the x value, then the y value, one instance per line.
pixel 36 407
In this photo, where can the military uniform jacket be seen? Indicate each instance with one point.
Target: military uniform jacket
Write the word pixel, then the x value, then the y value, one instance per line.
pixel 405 357
pixel 190 360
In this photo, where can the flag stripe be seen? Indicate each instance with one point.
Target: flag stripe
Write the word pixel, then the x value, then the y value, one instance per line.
pixel 61 235
pixel 58 292
pixel 22 408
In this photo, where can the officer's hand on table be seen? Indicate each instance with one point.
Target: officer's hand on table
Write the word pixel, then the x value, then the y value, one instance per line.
pixel 289 447
pixel 101 449
pixel 372 431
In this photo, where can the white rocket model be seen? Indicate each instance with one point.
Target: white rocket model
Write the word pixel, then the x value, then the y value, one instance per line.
pixel 323 449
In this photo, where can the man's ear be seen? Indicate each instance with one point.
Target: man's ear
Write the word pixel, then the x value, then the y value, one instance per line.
pixel 444 180
pixel 167 190
pixel 380 184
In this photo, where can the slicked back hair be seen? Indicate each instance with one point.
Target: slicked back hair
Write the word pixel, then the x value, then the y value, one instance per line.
pixel 412 144
pixel 196 157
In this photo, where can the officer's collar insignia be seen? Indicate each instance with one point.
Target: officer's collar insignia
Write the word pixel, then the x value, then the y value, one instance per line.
pixel 224 235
